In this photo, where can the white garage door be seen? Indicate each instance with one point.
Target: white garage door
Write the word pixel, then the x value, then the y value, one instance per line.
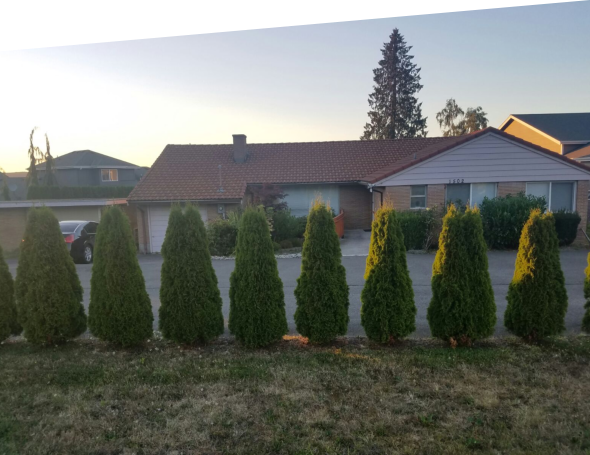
pixel 158 219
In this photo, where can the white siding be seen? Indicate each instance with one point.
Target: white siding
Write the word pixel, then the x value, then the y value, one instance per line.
pixel 488 159
pixel 158 222
pixel 300 197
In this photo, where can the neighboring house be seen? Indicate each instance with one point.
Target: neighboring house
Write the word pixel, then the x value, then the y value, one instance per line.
pixel 17 185
pixel 566 134
pixel 88 168
pixel 354 176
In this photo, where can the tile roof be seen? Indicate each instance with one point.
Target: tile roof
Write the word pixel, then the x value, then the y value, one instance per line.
pixel 563 127
pixel 191 172
pixel 87 158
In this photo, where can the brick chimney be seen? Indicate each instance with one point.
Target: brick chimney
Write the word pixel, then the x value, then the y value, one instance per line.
pixel 240 149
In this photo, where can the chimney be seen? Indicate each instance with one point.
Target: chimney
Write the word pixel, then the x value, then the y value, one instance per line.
pixel 240 151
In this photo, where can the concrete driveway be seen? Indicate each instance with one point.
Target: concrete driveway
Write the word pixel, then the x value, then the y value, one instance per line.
pixel 501 266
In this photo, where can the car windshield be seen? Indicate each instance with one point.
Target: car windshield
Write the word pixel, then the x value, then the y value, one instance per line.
pixel 68 227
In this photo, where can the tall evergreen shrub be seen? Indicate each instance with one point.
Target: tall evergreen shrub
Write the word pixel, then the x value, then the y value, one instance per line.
pixel 48 291
pixel 8 321
pixel 321 292
pixel 120 310
pixel 388 310
pixel 537 299
pixel 586 319
pixel 190 303
pixel 462 308
pixel 257 302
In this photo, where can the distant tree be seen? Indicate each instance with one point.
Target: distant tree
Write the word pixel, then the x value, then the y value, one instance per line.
pixel 394 108
pixel 269 196
pixel 35 155
pixel 453 121
pixel 50 179
pixel 48 291
pixel 8 319
pixel 120 309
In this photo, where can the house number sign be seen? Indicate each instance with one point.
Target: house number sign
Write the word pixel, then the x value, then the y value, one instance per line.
pixel 456 181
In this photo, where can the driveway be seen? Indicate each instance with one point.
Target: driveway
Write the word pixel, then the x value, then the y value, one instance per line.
pixel 501 266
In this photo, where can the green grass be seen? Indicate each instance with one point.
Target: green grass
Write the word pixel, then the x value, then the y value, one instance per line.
pixel 503 396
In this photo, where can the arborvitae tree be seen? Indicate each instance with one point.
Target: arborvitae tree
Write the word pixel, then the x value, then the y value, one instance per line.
pixel 395 111
pixel 388 311
pixel 537 299
pixel 257 302
pixel 321 292
pixel 462 308
pixel 120 310
pixel 8 320
pixel 48 291
pixel 586 319
pixel 190 302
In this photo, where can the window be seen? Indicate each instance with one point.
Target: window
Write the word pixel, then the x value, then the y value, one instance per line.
pixel 474 193
pixel 458 193
pixel 558 195
pixel 479 191
pixel 109 175
pixel 418 197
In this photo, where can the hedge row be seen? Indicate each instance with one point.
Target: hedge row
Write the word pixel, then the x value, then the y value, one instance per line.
pixel 36 192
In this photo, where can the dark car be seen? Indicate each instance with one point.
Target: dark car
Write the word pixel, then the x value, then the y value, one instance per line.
pixel 79 237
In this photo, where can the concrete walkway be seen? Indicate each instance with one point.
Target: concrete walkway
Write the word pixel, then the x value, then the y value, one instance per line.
pixel 355 243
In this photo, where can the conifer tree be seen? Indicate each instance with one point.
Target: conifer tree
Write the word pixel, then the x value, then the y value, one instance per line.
pixel 8 320
pixel 257 303
pixel 190 302
pixel 395 111
pixel 48 291
pixel 120 310
pixel 321 292
pixel 586 319
pixel 537 298
pixel 462 308
pixel 388 311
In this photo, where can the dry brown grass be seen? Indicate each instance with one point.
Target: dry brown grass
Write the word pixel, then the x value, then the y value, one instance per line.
pixel 415 397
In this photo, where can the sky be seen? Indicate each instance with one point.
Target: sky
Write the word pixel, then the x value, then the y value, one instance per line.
pixel 307 83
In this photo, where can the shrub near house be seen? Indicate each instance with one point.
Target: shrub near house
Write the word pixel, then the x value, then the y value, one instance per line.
pixel 8 320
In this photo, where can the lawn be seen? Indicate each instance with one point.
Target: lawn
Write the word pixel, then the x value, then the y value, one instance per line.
pixel 502 396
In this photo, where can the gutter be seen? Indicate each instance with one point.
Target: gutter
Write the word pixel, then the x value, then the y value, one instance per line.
pixel 62 203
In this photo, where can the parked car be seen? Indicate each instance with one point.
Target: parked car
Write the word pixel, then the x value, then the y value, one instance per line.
pixel 79 237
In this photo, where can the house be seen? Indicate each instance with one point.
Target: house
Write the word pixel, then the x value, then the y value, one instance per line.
pixel 566 134
pixel 17 185
pixel 88 168
pixel 354 176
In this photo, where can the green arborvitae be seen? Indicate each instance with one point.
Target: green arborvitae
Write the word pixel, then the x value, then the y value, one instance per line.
pixel 388 310
pixel 586 319
pixel 257 302
pixel 321 292
pixel 190 302
pixel 120 310
pixel 48 291
pixel 537 299
pixel 8 321
pixel 462 308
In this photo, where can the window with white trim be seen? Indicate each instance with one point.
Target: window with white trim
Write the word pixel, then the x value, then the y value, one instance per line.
pixel 418 197
pixel 109 175
pixel 474 193
pixel 558 195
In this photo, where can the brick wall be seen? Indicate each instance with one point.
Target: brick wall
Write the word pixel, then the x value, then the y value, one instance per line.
pixel 356 201
pixel 505 188
pixel 12 228
pixel 143 230
pixel 399 196
pixel 435 195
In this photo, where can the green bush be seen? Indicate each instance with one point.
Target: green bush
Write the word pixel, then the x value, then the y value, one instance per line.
pixel 462 308
pixel 586 318
pixel 286 244
pixel 537 299
pixel 321 292
pixel 120 310
pixel 77 192
pixel 301 226
pixel 566 226
pixel 388 310
pixel 222 235
pixel 285 225
pixel 48 291
pixel 504 217
pixel 297 243
pixel 8 320
pixel 190 303
pixel 420 228
pixel 257 303
pixel 276 247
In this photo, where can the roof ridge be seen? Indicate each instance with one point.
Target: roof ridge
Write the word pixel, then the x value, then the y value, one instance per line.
pixel 318 142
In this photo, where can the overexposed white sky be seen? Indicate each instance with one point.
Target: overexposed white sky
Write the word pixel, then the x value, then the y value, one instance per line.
pixel 130 99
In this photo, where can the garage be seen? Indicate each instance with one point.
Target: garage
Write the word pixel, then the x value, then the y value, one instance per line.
pixel 158 223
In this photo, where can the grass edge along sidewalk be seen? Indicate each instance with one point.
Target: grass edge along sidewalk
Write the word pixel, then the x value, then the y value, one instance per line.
pixel 502 396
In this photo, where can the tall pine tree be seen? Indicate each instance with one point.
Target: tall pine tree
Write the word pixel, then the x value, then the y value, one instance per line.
pixel 395 111
pixel 8 321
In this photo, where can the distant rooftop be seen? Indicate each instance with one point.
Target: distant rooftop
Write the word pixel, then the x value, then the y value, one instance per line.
pixel 572 127
pixel 88 159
